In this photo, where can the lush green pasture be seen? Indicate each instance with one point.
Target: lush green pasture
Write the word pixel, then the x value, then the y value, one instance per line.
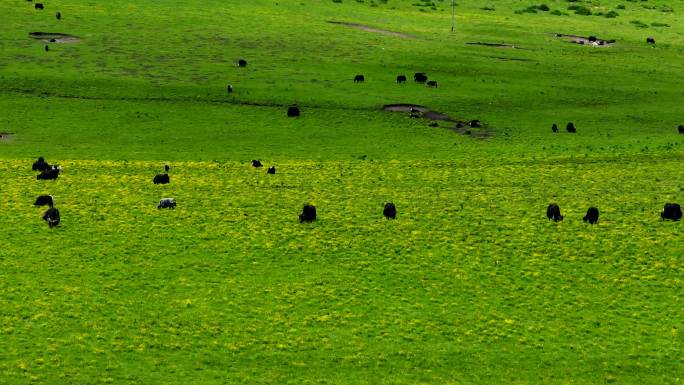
pixel 229 287
pixel 469 285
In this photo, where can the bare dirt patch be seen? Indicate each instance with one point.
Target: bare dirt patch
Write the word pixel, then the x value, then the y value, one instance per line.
pixel 53 37
pixel 374 30
pixel 582 40
pixel 471 128
pixel 404 108
pixel 494 45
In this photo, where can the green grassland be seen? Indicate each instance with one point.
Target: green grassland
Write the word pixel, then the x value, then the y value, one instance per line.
pixel 469 285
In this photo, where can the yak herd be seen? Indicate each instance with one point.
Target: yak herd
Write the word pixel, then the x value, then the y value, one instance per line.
pixel 418 77
pixel 671 211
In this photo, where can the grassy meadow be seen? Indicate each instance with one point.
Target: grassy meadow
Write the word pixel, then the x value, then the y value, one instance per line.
pixel 469 285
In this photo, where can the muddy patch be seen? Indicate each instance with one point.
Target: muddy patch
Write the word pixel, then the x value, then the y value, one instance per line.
pixel 494 45
pixel 6 136
pixel 52 37
pixel 404 108
pixel 473 128
pixel 374 30
pixel 588 40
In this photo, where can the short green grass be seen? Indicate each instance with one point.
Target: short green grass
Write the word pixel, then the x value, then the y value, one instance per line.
pixel 469 285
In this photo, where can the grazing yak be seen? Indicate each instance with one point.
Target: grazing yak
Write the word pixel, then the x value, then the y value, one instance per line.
pixel 271 170
pixel 592 215
pixel 420 77
pixel 390 211
pixel 47 48
pixel 431 84
pixel 474 123
pixel 554 128
pixel 229 88
pixel 39 6
pixel 292 111
pixel 242 63
pixel 58 15
pixel 256 163
pixel 167 203
pixel 359 79
pixel 51 216
pixel 44 200
pixel 40 165
pixel 650 40
pixel 161 179
pixel 50 174
pixel 308 214
pixel 680 129
pixel 401 79
pixel 553 212
pixel 671 211
pixel 571 128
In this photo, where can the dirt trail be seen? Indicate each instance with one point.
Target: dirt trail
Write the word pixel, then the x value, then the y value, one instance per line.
pixel 374 30
pixel 52 37
pixel 591 40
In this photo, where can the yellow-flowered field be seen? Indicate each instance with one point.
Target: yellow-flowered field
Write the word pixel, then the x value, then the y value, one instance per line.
pixel 471 266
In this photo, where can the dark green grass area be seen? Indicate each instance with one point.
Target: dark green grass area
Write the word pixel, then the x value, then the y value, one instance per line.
pixel 470 285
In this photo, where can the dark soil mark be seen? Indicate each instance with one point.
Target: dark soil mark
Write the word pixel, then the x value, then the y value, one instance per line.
pixel 404 108
pixel 591 40
pixel 50 37
pixel 494 45
pixel 508 58
pixel 472 128
pixel 374 30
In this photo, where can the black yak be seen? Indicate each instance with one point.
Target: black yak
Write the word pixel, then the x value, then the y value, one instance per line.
pixel 50 174
pixel 401 79
pixel 47 48
pixel 680 129
pixel 571 127
pixel 40 165
pixel 167 203
pixel 256 163
pixel 292 112
pixel 359 79
pixel 39 6
pixel 671 211
pixel 390 211
pixel 432 84
pixel 554 128
pixel 308 214
pixel 161 179
pixel 58 15
pixel 44 200
pixel 553 212
pixel 592 215
pixel 650 40
pixel 475 123
pixel 242 63
pixel 229 88
pixel 420 77
pixel 271 170
pixel 51 216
